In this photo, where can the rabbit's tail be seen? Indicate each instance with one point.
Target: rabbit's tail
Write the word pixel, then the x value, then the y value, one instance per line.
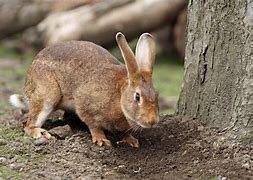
pixel 18 101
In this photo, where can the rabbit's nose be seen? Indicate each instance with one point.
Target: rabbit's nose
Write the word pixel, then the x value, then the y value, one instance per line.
pixel 153 122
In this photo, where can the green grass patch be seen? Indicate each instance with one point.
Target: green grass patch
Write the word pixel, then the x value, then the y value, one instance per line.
pixel 13 68
pixel 13 134
pixel 14 73
pixel 10 136
pixel 14 53
pixel 6 52
pixel 14 76
pixel 168 76
pixel 7 173
pixel 19 146
pixel 3 105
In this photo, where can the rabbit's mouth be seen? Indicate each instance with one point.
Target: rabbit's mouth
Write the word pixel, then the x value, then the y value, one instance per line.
pixel 144 124
pixel 147 124
pixel 133 121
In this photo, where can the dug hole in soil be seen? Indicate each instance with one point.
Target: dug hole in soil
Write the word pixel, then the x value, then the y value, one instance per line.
pixel 178 148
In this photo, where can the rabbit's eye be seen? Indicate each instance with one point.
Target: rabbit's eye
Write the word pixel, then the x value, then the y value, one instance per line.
pixel 137 97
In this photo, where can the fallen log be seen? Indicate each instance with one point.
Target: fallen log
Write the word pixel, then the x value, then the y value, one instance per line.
pixel 17 15
pixel 172 37
pixel 98 25
pixel 64 5
pixel 179 33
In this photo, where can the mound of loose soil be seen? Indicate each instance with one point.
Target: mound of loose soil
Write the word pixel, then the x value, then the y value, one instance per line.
pixel 179 148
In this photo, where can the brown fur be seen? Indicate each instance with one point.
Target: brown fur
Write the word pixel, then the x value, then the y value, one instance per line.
pixel 86 79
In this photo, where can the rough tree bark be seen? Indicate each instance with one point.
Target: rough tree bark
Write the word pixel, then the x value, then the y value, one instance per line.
pixel 218 79
pixel 99 25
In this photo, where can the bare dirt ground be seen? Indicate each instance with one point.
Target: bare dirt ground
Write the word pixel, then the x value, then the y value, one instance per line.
pixel 179 148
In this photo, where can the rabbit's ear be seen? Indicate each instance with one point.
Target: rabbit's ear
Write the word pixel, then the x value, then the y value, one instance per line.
pixel 128 56
pixel 145 53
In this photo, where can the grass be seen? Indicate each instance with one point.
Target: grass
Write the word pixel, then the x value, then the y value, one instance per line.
pixel 167 77
pixel 17 67
pixel 13 134
pixel 7 173
pixel 12 76
pixel 12 53
pixel 11 149
pixel 13 67
pixel 2 106
pixel 10 135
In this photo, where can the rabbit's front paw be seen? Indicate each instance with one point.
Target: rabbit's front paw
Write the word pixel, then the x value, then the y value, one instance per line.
pixel 129 139
pixel 37 133
pixel 98 137
pixel 101 141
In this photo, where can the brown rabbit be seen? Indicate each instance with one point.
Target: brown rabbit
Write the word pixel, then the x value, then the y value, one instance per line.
pixel 84 78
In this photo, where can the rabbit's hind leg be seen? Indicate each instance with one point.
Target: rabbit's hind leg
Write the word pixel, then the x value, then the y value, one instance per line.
pixel 36 118
pixel 42 103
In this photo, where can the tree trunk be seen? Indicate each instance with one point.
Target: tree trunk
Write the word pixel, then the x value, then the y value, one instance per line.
pixel 99 25
pixel 218 79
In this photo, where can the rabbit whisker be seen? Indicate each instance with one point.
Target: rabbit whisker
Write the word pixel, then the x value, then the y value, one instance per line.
pixel 136 129
pixel 129 129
